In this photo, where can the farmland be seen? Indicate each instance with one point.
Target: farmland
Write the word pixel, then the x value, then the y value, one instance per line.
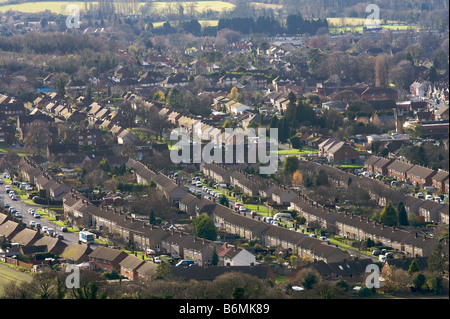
pixel 156 7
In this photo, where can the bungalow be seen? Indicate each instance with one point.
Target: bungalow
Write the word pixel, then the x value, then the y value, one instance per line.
pixel 76 253
pixel 9 229
pixel 52 244
pixel 26 237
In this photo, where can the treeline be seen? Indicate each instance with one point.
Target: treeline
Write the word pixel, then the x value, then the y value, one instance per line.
pixel 295 24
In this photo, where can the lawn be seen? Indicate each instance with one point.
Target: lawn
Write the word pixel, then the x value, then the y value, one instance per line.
pixel 6 148
pixel 295 151
pixel 8 274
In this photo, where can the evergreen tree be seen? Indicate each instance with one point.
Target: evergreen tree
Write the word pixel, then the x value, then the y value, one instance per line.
pixel 436 261
pixel 402 215
pixel 152 217
pixel 389 215
pixel 414 267
pixel 204 227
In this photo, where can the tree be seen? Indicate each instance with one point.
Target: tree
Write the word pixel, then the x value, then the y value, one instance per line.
pixel 233 93
pixel 61 86
pixel 437 259
pixel 382 65
pixel 419 281
pixel 238 293
pixel 414 267
pixel 389 216
pixel 224 201
pixel 402 215
pixel 309 280
pixel 37 138
pixel 204 227
pixel 215 258
pixel 297 179
pixel 291 165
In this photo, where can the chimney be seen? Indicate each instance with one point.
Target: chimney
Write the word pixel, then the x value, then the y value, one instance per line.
pixel 195 238
pixel 203 240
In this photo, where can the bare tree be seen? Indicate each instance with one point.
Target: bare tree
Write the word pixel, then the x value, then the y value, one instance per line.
pixel 382 65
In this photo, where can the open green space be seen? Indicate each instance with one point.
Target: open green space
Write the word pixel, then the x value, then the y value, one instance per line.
pixel 156 7
pixel 6 148
pixel 9 274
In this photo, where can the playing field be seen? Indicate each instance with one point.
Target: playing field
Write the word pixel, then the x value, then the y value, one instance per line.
pixel 8 274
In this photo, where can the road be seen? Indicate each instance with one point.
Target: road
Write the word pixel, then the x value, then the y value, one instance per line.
pixel 353 252
pixel 22 207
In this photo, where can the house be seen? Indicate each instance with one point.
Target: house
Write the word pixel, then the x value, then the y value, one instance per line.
pixel 174 243
pixel 7 134
pixel 211 273
pixel 314 213
pixel 283 196
pixel 430 211
pixel 53 245
pixel 26 237
pixel 399 169
pixel 200 250
pixel 419 88
pixel 438 180
pixel 129 266
pixel 443 214
pixel 107 259
pixel 421 176
pixel 146 271
pixel 412 205
pixel 348 270
pixel 378 93
pixel 188 203
pixel 230 255
pixel 9 229
pixel 342 153
pixel 76 253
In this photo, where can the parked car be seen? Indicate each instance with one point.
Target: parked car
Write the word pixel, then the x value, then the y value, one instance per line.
pixel 376 252
pixel 429 197
pixel 64 229
pixel 437 199
pixel 32 223
pixel 36 215
pixel 17 215
pixel 29 188
pixel 420 195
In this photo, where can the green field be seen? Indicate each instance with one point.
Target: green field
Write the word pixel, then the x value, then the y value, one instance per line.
pixel 156 7
pixel 8 274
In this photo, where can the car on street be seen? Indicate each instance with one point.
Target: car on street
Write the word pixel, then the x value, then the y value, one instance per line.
pixel 376 252
pixel 429 197
pixel 32 223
